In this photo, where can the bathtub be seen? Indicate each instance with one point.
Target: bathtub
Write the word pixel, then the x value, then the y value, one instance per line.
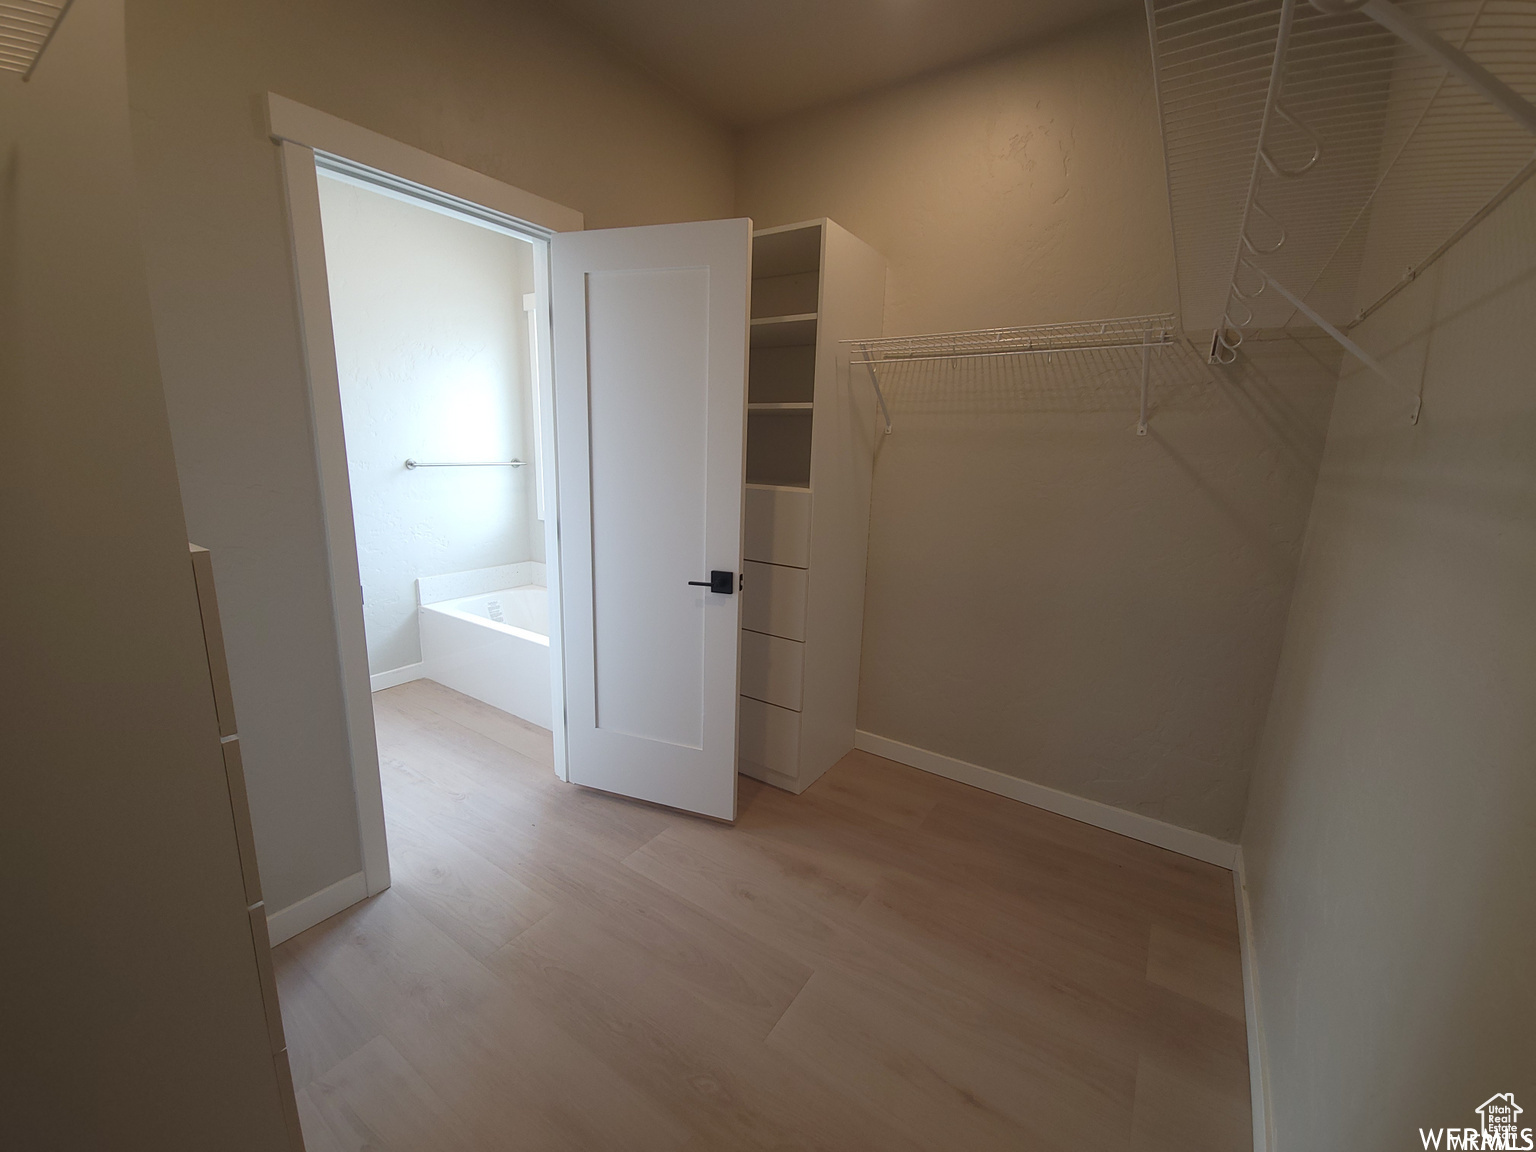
pixel 493 646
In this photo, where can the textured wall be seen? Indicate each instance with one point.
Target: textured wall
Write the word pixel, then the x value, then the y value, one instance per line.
pixel 1025 189
pixel 1050 595
pixel 496 85
pixel 432 354
pixel 1391 836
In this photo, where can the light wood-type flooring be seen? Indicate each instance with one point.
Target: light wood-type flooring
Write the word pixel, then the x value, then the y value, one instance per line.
pixel 891 961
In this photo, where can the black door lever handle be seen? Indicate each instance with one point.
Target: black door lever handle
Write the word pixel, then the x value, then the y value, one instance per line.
pixel 719 581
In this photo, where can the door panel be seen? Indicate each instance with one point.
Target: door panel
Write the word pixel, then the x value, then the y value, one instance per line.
pixel 650 343
pixel 648 386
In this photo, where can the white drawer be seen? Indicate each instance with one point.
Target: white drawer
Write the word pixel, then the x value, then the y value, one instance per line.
pixel 778 525
pixel 773 600
pixel 771 669
pixel 770 737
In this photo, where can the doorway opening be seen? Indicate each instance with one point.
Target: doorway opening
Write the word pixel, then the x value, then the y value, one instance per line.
pixel 436 325
pixel 654 321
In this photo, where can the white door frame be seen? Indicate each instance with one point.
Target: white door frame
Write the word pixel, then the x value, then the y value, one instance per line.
pixel 300 132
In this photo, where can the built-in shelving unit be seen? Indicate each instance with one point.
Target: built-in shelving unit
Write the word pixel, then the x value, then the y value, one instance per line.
pixel 766 324
pixel 781 377
pixel 810 443
pixel 784 331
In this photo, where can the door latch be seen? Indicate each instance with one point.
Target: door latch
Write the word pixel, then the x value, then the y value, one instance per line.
pixel 719 581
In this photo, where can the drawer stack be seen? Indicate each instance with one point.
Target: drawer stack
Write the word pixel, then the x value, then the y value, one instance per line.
pixel 777 534
pixel 245 839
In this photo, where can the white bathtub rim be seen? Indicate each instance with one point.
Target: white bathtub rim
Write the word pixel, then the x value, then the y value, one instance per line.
pixel 505 629
pixel 443 607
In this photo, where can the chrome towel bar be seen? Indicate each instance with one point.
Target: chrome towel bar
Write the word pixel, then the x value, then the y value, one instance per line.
pixel 465 463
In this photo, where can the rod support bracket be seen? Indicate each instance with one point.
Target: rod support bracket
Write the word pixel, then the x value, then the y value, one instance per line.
pixel 874 379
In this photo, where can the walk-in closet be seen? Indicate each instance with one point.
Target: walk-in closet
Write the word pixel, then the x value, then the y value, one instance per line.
pixel 869 577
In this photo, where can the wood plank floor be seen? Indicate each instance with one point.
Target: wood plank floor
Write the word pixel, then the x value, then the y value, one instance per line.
pixel 890 961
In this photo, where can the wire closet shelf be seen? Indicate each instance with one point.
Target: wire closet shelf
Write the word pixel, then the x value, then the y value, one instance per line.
pixel 1321 154
pixel 1133 335
pixel 26 28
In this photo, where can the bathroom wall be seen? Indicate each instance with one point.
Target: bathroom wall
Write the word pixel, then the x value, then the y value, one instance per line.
pixel 432 355
pixel 500 86
pixel 1390 842
pixel 1050 595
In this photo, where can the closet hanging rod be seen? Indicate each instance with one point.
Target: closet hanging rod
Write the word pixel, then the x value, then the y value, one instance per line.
pixel 465 463
pixel 1448 243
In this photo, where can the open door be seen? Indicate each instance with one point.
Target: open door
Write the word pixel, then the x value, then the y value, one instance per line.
pixel 650 342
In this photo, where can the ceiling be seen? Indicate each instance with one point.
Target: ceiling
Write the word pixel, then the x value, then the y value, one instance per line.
pixel 746 63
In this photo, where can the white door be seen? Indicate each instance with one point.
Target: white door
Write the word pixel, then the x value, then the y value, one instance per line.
pixel 650 342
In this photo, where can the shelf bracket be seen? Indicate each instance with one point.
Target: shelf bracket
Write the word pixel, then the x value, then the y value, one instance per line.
pixel 1146 375
pixel 1349 345
pixel 1408 29
pixel 879 395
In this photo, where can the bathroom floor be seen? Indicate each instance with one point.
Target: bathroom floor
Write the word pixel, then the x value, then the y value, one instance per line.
pixel 890 961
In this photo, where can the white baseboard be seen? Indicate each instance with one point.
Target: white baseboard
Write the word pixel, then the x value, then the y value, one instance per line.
pixel 322 905
pixel 1258 1071
pixel 1170 836
pixel 401 675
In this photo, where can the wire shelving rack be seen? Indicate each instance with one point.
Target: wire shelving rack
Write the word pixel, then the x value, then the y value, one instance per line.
pixel 1321 154
pixel 26 29
pixel 1138 341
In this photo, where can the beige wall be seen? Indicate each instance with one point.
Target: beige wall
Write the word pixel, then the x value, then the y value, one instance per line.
pixel 1390 842
pixel 128 985
pixel 491 84
pixel 1024 189
pixel 1050 595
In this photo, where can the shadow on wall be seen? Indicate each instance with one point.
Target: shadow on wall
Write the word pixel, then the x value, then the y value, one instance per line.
pixel 9 176
pixel 1390 834
pixel 1261 387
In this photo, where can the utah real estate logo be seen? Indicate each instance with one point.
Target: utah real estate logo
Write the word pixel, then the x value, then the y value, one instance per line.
pixel 1500 1117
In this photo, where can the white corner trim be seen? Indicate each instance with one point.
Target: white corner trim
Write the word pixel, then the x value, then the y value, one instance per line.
pixel 1184 841
pixel 322 905
pixel 401 675
pixel 301 184
pixel 1258 1067
pixel 309 127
